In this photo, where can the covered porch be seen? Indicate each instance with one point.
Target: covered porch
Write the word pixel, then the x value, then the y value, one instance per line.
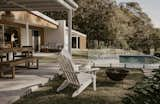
pixel 16 32
pixel 40 5
pixel 28 80
pixel 23 26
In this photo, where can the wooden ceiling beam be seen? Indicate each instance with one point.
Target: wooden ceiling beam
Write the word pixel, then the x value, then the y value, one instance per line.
pixel 34 9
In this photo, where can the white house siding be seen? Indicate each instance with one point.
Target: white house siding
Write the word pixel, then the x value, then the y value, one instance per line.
pixel 30 37
pixel 82 42
pixel 57 36
pixel 60 35
pixel 24 41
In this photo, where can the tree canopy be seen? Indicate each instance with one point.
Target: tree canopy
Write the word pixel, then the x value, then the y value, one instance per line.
pixel 125 25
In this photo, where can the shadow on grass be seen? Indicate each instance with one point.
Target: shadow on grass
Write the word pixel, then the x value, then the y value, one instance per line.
pixel 107 93
pixel 64 97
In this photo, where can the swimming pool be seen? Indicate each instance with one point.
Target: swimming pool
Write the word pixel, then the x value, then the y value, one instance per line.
pixel 139 59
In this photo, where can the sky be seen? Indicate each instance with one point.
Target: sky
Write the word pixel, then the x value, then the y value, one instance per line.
pixel 151 7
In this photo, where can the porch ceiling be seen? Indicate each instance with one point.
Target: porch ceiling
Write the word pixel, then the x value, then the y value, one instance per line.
pixel 37 5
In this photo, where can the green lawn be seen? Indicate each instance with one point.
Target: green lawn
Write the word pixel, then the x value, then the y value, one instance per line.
pixel 108 92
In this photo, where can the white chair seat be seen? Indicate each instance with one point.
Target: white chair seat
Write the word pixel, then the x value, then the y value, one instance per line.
pixel 84 78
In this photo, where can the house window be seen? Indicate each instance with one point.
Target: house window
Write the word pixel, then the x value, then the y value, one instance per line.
pixel 73 42
pixel 12 36
pixel 76 42
pixel 36 40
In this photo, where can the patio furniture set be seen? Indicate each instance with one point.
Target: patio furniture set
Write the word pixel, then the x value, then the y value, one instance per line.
pixel 8 64
pixel 78 76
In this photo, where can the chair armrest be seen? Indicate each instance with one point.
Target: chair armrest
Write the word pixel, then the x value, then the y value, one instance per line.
pixel 95 69
pixel 76 68
pixel 85 68
pixel 90 70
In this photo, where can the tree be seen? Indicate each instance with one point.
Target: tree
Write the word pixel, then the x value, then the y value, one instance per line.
pixel 155 37
pixel 140 27
pixel 122 26
pixel 90 18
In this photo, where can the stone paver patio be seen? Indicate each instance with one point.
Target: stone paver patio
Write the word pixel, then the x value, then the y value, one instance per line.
pixel 26 80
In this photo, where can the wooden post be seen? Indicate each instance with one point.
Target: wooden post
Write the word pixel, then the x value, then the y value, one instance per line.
pixel 37 64
pixel 28 63
pixel 7 56
pixel 1 74
pixel 13 56
pixel 13 72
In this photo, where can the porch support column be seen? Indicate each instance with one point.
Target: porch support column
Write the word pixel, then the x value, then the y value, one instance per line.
pixel 77 42
pixel 70 31
pixel 3 40
pixel 27 34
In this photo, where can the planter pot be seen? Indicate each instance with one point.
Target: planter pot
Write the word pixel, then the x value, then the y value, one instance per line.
pixel 116 74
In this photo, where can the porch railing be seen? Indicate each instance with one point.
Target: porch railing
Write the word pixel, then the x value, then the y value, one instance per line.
pixel 52 46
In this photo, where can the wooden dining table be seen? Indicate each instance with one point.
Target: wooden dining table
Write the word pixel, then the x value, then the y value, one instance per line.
pixel 6 52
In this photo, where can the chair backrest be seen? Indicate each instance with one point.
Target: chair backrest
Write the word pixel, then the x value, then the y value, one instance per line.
pixel 67 67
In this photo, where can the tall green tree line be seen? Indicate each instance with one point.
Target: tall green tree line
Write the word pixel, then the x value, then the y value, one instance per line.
pixel 123 26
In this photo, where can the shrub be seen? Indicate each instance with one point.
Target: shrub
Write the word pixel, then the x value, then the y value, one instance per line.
pixel 147 92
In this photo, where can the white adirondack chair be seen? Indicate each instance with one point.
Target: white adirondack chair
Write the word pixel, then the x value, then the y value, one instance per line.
pixel 77 78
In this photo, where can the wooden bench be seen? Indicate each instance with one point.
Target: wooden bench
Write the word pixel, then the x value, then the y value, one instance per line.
pixel 10 65
pixel 1 58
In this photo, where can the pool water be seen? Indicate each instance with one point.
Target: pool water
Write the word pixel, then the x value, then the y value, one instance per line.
pixel 141 59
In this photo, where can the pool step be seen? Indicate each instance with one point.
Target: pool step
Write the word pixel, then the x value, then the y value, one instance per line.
pixel 148 72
